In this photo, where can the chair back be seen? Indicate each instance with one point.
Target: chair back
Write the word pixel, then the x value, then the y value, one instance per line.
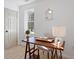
pixel 63 44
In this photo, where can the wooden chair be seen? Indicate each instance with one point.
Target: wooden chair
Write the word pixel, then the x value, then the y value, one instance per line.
pixel 43 48
pixel 48 50
pixel 30 50
pixel 60 49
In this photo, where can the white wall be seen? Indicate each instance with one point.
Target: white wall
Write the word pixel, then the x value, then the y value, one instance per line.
pixel 63 16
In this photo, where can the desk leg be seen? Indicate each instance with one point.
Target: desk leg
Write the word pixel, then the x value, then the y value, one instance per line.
pixel 38 53
pixel 25 51
pixel 29 51
pixel 33 53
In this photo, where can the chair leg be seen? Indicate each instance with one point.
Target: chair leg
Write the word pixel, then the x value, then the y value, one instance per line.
pixel 43 52
pixel 52 54
pixel 55 55
pixel 48 55
pixel 33 56
pixel 60 54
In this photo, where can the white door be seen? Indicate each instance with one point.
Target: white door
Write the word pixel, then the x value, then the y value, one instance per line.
pixel 10 39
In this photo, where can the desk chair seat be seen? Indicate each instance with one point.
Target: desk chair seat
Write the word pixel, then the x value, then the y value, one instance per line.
pixel 45 49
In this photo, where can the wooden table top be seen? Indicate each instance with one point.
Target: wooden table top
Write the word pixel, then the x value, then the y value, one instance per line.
pixel 44 43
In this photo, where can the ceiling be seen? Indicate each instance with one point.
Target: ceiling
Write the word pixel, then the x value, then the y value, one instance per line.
pixel 14 4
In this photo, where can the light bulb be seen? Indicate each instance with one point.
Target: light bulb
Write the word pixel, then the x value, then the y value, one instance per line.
pixel 50 11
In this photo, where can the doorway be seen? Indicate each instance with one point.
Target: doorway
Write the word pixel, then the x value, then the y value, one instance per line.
pixel 10 28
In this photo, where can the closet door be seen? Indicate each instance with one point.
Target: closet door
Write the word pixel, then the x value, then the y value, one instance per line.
pixel 10 39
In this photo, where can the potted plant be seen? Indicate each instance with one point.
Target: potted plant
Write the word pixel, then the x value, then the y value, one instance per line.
pixel 27 32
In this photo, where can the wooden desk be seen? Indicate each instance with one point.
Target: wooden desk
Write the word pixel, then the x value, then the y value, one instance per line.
pixel 47 44
pixel 43 43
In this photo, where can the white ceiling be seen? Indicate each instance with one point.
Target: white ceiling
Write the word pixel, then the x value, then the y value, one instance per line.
pixel 14 4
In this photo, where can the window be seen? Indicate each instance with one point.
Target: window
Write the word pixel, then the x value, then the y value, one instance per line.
pixel 29 20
